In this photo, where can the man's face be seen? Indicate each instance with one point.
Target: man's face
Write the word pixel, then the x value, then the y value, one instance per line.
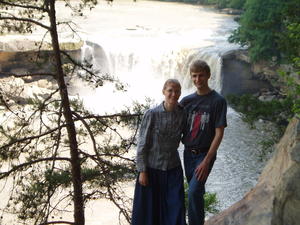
pixel 200 79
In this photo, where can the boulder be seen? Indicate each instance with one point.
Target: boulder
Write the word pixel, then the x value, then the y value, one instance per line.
pixel 238 76
pixel 275 200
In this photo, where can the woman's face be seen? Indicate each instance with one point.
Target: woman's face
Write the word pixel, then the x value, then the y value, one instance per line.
pixel 172 93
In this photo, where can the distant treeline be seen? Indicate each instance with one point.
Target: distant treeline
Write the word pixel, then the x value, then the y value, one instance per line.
pixel 236 4
pixel 270 29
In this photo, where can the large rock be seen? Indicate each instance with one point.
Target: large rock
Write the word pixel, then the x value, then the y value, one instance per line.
pixel 238 76
pixel 30 61
pixel 21 43
pixel 20 56
pixel 275 200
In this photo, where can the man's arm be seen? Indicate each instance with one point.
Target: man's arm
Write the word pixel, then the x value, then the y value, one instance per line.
pixel 202 169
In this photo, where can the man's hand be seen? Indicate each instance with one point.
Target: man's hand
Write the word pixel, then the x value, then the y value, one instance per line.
pixel 143 179
pixel 202 171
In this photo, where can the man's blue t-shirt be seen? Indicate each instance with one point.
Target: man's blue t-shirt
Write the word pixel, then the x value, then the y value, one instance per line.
pixel 204 114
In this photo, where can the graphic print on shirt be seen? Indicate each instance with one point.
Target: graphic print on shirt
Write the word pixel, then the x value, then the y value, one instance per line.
pixel 197 122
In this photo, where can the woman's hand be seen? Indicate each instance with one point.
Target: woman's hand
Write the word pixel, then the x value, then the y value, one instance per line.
pixel 143 179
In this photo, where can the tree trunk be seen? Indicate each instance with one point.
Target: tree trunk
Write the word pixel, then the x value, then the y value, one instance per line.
pixel 75 161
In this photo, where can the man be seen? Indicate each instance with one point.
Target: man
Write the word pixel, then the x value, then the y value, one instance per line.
pixel 206 120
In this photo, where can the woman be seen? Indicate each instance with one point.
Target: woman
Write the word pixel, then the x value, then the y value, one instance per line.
pixel 159 192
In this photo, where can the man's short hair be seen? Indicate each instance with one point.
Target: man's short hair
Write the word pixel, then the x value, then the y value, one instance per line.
pixel 199 65
pixel 171 81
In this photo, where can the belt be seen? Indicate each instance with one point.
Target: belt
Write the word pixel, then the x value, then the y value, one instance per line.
pixel 197 151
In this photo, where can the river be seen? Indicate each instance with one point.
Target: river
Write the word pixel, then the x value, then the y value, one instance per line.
pixel 145 42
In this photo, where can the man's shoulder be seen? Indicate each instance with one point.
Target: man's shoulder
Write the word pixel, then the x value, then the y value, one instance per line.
pixel 218 97
pixel 187 98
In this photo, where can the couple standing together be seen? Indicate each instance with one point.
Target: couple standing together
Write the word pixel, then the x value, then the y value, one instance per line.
pixel 198 121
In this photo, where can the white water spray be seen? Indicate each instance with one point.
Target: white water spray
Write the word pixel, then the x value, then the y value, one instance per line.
pixel 144 72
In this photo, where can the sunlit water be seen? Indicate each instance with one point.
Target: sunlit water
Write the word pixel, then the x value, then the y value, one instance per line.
pixel 145 42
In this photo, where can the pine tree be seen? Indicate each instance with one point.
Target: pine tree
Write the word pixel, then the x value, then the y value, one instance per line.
pixel 53 151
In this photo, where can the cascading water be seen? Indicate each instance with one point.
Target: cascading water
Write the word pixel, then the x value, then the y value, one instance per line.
pixel 145 74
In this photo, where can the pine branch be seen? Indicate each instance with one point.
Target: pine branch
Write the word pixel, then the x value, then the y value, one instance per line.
pixel 68 23
pixel 64 125
pixel 117 156
pixel 3 101
pixel 122 208
pixel 88 129
pixel 76 63
pixel 24 20
pixel 23 6
pixel 111 116
pixel 41 108
pixel 20 166
pixel 31 137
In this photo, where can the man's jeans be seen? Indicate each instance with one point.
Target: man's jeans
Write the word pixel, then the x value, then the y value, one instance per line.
pixel 196 188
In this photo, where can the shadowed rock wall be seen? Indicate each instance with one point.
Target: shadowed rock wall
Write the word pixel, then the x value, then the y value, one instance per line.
pixel 275 200
pixel 238 76
pixel 21 62
pixel 21 55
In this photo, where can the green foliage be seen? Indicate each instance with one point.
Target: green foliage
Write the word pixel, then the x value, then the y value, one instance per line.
pixel 210 201
pixel 252 109
pixel 290 41
pixel 277 112
pixel 220 3
pixel 292 85
pixel 271 33
pixel 57 178
pixel 259 29
pixel 267 144
pixel 236 4
pixel 289 38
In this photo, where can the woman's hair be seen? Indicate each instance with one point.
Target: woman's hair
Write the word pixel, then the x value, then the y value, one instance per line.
pixel 199 65
pixel 171 81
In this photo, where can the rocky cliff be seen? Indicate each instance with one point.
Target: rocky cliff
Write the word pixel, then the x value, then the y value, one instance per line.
pixel 28 56
pixel 275 200
pixel 239 76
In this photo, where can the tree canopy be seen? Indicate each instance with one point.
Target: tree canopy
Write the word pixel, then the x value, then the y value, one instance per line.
pixel 269 29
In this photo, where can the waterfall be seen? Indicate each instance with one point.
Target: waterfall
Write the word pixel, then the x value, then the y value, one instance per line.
pixel 94 54
pixel 145 70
